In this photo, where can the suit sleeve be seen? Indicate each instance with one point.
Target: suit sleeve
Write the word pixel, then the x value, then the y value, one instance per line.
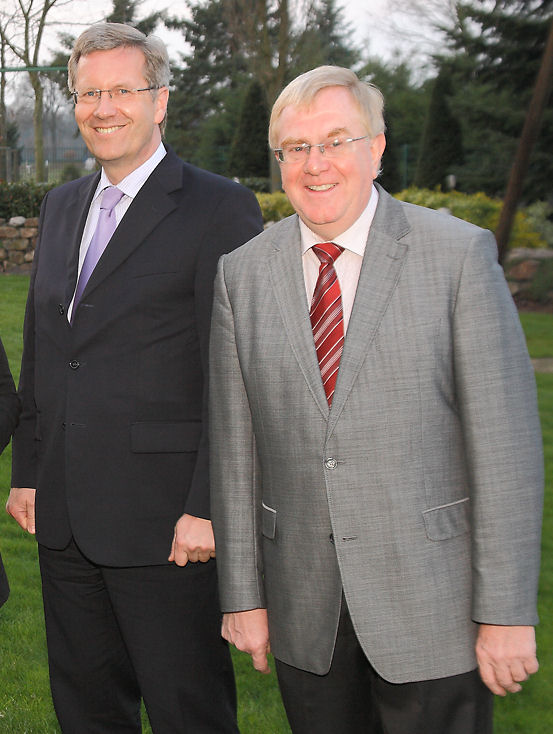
pixel 9 402
pixel 24 459
pixel 497 397
pixel 235 220
pixel 235 500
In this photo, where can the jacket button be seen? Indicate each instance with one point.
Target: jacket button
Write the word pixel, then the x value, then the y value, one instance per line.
pixel 61 309
pixel 74 364
pixel 331 463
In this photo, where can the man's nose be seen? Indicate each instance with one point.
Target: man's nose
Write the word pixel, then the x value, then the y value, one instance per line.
pixel 105 105
pixel 315 160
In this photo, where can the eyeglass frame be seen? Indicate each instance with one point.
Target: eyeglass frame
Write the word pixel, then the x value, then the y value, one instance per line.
pixel 279 152
pixel 98 93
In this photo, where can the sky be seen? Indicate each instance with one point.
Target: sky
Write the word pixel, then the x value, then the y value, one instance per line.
pixel 369 21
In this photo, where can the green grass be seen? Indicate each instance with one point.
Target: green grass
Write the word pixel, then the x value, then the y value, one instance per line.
pixel 538 328
pixel 25 705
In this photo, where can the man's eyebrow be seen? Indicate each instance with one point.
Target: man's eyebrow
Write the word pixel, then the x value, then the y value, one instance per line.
pixel 332 134
pixel 293 141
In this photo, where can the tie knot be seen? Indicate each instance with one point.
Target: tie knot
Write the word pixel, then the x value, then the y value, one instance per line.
pixel 110 198
pixel 327 252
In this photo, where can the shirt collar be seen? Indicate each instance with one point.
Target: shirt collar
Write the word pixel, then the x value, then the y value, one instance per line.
pixel 354 238
pixel 132 183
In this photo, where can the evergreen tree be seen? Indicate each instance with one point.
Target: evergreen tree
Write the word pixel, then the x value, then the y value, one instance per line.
pixel 208 86
pixel 249 155
pixel 405 105
pixel 326 39
pixel 125 11
pixel 390 176
pixel 442 145
pixel 493 64
pixel 232 43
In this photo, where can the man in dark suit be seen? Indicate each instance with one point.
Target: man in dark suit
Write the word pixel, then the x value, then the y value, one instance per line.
pixel 9 412
pixel 113 440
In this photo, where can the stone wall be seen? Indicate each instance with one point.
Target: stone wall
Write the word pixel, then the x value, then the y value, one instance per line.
pixel 17 244
pixel 521 267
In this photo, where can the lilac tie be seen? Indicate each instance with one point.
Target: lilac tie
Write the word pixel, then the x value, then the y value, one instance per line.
pixel 102 235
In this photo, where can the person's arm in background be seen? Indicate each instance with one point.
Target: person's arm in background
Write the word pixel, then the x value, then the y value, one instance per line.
pixel 9 414
pixel 9 402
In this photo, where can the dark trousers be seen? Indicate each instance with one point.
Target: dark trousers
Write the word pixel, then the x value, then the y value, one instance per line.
pixel 353 699
pixel 118 634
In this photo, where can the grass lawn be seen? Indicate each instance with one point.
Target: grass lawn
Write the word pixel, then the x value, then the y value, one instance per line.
pixel 25 705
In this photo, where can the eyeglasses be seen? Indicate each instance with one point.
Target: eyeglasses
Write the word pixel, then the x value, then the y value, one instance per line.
pixel 294 153
pixel 92 96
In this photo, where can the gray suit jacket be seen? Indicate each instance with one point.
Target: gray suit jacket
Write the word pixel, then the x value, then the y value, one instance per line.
pixel 420 492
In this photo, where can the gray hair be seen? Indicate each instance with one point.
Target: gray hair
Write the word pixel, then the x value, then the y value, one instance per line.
pixel 302 90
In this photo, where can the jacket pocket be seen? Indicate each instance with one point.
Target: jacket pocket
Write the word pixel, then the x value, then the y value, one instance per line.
pixel 447 521
pixel 268 523
pixel 153 437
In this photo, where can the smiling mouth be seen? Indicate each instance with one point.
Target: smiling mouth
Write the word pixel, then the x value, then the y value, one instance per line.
pixel 108 130
pixel 321 187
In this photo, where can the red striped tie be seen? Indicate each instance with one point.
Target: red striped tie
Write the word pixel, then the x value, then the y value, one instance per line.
pixel 327 318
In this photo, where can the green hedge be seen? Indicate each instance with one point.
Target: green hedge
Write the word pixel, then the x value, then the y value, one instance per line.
pixel 22 199
pixel 476 208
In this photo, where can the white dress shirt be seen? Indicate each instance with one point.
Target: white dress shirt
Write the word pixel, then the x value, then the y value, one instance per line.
pixel 130 186
pixel 348 265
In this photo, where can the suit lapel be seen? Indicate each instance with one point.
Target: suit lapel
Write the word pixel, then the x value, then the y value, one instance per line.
pixel 382 265
pixel 150 206
pixel 286 275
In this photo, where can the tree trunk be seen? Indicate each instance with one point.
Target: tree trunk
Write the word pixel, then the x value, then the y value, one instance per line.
pixel 528 137
pixel 40 174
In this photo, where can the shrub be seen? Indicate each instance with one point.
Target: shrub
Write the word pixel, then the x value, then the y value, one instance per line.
pixel 22 199
pixel 540 288
pixel 274 206
pixel 256 183
pixel 70 172
pixel 478 209
pixel 540 216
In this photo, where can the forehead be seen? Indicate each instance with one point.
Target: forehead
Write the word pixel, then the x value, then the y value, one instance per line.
pixel 113 65
pixel 332 109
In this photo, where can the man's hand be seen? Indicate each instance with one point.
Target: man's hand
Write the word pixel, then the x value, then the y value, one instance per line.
pixel 21 506
pixel 506 656
pixel 249 632
pixel 192 541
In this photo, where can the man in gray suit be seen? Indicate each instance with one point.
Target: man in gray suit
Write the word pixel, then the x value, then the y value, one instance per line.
pixel 377 470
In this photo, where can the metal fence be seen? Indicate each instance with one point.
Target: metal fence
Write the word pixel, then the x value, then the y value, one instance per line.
pixel 60 163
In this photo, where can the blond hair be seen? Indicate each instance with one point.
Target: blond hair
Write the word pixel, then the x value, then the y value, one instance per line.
pixel 302 90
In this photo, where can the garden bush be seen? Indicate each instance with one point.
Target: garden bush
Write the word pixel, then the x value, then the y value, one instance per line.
pixel 479 209
pixel 476 208
pixel 540 216
pixel 22 199
pixel 274 207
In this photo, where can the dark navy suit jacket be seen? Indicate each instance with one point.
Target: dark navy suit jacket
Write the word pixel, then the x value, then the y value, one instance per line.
pixel 113 432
